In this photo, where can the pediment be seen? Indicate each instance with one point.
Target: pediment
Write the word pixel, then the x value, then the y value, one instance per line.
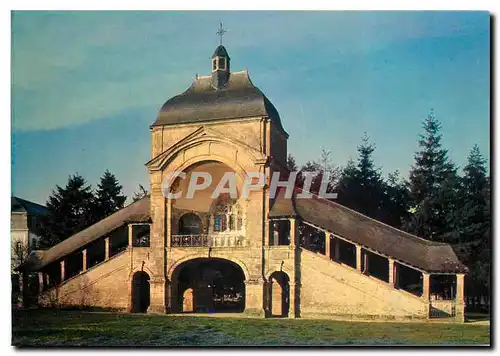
pixel 199 136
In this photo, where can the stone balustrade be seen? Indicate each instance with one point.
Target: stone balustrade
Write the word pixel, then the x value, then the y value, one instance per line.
pixel 205 240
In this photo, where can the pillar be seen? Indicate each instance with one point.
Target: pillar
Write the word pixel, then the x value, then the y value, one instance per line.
pixel 47 280
pixel 254 297
pixel 293 232
pixel 392 273
pixel 157 295
pixel 130 235
pixel 84 262
pixel 63 272
pixel 358 258
pixel 460 299
pixel 276 235
pixel 426 286
pixel 292 311
pixel 169 223
pixel 40 282
pixel 106 248
pixel 327 245
pixel 365 262
pixel 336 255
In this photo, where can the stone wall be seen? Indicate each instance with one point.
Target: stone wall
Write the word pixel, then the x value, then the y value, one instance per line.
pixel 330 289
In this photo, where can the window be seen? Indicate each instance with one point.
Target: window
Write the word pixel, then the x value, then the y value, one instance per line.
pixel 214 64
pixel 228 217
pixel 190 224
pixel 222 63
pixel 140 235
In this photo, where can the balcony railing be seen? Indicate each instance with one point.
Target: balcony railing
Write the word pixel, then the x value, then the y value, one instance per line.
pixel 204 240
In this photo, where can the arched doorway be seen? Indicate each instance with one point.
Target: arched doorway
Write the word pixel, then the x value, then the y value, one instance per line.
pixel 140 292
pixel 280 294
pixel 212 285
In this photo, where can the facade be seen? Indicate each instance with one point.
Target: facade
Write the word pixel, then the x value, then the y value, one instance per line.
pixel 256 255
pixel 24 231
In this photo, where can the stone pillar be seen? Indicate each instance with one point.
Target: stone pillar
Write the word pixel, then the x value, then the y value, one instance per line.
pixel 269 229
pixel 327 245
pixel 358 258
pixel 426 286
pixel 130 226
pixel 40 282
pixel 47 280
pixel 84 260
pixel 254 297
pixel 157 296
pixel 106 248
pixel 336 255
pixel 392 273
pixel 63 272
pixel 292 312
pixel 169 223
pixel 293 232
pixel 365 262
pixel 459 299
pixel 426 292
pixel 276 235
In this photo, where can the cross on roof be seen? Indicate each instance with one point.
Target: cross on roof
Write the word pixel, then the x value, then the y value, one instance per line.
pixel 221 32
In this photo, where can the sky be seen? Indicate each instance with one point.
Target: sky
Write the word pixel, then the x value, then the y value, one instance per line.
pixel 86 86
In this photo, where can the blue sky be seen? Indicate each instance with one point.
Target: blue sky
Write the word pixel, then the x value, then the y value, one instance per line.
pixel 87 85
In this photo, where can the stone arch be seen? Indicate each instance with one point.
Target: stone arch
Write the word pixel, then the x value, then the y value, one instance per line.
pixel 279 294
pixel 208 284
pixel 194 256
pixel 140 292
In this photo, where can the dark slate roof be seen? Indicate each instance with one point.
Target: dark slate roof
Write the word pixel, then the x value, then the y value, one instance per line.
pixel 202 102
pixel 355 227
pixel 22 205
pixel 135 212
pixel 220 51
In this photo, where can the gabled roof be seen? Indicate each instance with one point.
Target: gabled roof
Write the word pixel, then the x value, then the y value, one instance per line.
pixel 202 102
pixel 363 230
pixel 135 212
pixel 21 205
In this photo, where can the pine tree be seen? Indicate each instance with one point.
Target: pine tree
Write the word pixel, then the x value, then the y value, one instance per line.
pixel 361 186
pixel 395 200
pixel 433 186
pixel 69 211
pixel 109 197
pixel 472 228
pixel 290 163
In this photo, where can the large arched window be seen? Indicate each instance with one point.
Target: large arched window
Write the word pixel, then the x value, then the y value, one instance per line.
pixel 190 224
pixel 228 216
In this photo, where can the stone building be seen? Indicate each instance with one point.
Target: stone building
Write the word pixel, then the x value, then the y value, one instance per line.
pixel 24 234
pixel 263 256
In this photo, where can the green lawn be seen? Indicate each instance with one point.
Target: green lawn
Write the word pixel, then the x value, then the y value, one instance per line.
pixel 77 328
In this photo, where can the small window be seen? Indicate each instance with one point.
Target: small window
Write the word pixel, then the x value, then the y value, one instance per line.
pixel 140 235
pixel 214 66
pixel 222 63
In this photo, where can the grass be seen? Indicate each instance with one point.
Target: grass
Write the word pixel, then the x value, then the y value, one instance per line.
pixel 35 328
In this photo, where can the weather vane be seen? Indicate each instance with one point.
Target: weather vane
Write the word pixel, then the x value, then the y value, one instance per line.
pixel 221 32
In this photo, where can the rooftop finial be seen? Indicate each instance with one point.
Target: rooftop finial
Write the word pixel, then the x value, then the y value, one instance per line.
pixel 221 32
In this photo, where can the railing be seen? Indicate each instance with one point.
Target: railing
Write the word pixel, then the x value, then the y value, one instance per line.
pixel 205 240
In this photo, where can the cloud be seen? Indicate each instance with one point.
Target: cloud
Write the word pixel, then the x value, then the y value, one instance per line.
pixel 69 68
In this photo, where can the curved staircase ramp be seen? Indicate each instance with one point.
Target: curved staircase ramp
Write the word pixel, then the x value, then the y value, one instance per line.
pixel 136 212
pixel 360 229
pixel 330 288
pixel 93 287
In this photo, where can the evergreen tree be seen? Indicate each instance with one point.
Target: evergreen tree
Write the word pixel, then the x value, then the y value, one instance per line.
pixel 109 197
pixel 69 211
pixel 472 228
pixel 395 200
pixel 433 186
pixel 361 187
pixel 290 163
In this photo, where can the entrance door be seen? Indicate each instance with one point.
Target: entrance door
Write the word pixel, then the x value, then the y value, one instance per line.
pixel 140 292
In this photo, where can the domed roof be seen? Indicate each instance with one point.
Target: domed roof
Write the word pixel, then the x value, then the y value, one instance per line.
pixel 220 51
pixel 239 98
